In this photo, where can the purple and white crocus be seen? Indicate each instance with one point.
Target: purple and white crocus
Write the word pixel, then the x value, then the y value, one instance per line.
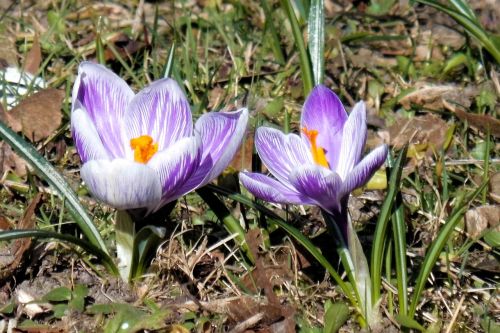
pixel 323 164
pixel 142 150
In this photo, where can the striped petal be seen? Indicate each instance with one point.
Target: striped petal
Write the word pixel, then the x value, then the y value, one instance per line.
pixel 161 111
pixel 365 169
pixel 122 184
pixel 281 153
pixel 104 96
pixel 221 135
pixel 323 111
pixel 353 140
pixel 319 184
pixel 269 189
pixel 175 166
pixel 87 140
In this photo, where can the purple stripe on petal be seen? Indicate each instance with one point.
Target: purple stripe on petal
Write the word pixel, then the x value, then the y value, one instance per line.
pixel 221 134
pixel 161 111
pixel 122 184
pixel 281 153
pixel 353 141
pixel 365 169
pixel 271 190
pixel 319 184
pixel 324 112
pixel 175 166
pixel 104 96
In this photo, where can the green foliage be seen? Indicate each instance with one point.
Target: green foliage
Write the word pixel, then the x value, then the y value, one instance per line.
pixel 461 12
pixel 65 299
pixel 382 223
pixel 336 314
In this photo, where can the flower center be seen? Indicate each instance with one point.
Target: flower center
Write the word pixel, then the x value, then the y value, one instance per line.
pixel 144 148
pixel 318 153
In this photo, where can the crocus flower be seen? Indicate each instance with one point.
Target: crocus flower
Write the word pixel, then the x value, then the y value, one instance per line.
pixel 141 150
pixel 323 164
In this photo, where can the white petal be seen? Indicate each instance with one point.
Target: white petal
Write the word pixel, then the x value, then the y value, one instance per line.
pixel 87 140
pixel 122 184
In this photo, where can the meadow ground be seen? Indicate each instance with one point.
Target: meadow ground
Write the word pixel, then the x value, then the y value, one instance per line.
pixel 426 82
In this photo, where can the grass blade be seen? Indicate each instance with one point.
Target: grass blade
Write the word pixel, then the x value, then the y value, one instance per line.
pixel 54 178
pixel 316 31
pixel 167 72
pixel 43 234
pixel 270 30
pixel 305 62
pixel 464 8
pixel 438 244
pixel 471 25
pixel 399 235
pixel 382 222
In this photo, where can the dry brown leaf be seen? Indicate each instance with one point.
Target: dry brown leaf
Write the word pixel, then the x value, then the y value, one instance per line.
pixel 33 58
pixel 433 97
pixel 427 132
pixel 8 53
pixel 495 187
pixel 270 317
pixel 480 121
pixel 10 161
pixel 481 218
pixel 243 158
pixel 16 250
pixel 38 115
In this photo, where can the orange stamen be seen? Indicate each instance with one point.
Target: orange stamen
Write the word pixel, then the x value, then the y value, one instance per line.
pixel 144 148
pixel 318 153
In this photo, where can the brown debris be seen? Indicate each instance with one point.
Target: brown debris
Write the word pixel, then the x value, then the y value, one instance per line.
pixel 15 251
pixel 33 58
pixel 270 317
pixel 426 132
pixel 481 218
pixel 495 187
pixel 482 122
pixel 434 97
pixel 38 115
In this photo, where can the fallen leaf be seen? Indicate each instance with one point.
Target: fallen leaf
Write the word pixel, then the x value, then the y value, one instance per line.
pixel 482 122
pixel 243 158
pixel 17 248
pixel 247 310
pixel 38 115
pixel 33 58
pixel 482 218
pixel 426 134
pixel 10 161
pixel 495 187
pixel 433 97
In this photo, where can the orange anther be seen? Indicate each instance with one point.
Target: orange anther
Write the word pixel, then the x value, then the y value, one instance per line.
pixel 144 148
pixel 318 153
